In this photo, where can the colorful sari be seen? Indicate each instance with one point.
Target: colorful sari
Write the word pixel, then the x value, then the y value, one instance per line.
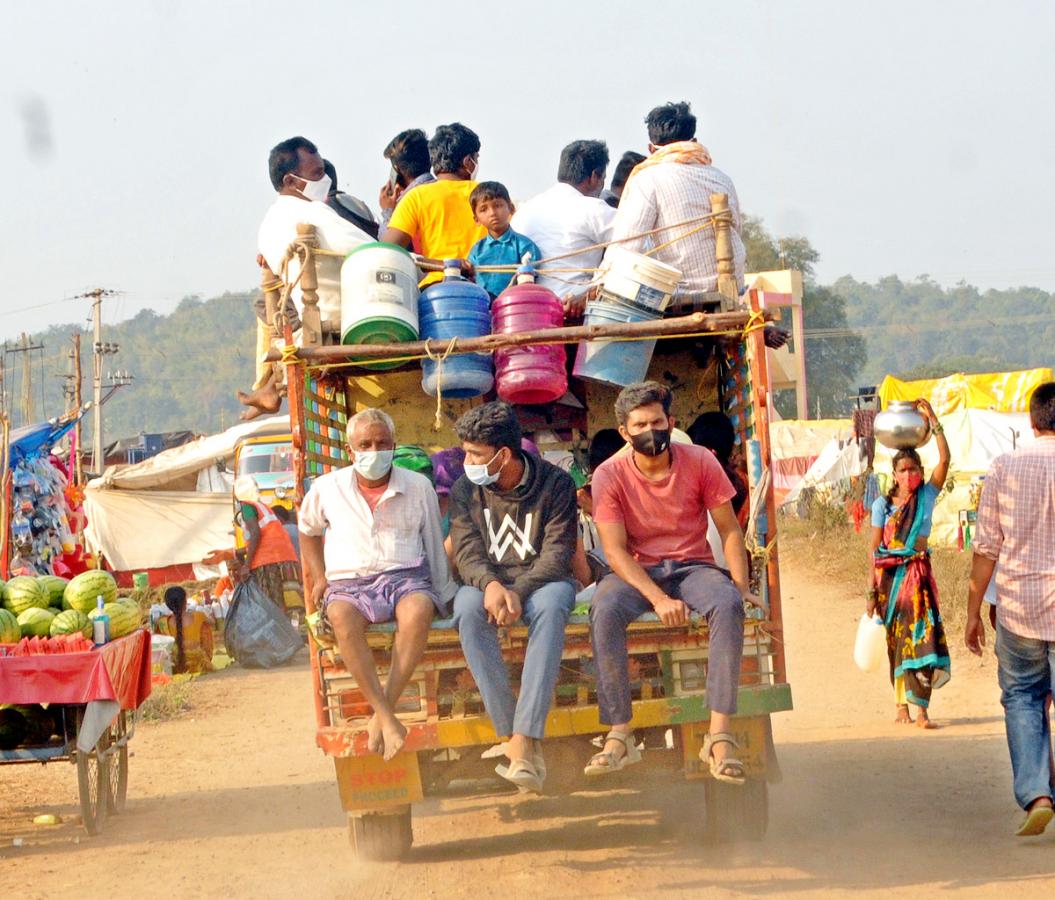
pixel 916 645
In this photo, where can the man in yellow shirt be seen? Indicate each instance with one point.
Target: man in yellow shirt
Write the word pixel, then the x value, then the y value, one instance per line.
pixel 436 220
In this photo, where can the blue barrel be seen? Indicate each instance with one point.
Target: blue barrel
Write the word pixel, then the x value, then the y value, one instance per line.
pixel 615 362
pixel 458 308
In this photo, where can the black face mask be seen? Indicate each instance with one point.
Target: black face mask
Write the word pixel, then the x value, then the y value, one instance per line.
pixel 652 442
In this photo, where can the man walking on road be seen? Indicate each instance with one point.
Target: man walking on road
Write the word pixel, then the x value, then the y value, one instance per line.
pixel 514 525
pixel 1016 528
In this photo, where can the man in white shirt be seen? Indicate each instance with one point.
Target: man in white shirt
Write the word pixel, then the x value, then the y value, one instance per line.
pixel 299 176
pixel 571 216
pixel 673 185
pixel 372 549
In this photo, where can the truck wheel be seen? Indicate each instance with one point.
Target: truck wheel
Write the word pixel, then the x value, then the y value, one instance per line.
pixel 737 812
pixel 381 837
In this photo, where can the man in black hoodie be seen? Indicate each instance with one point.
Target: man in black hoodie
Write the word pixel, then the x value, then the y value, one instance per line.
pixel 513 528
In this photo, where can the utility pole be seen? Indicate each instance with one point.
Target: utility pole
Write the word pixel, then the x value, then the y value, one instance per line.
pixel 99 350
pixel 25 347
pixel 72 391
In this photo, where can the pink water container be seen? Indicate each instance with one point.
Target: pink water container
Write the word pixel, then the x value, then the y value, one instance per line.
pixel 530 375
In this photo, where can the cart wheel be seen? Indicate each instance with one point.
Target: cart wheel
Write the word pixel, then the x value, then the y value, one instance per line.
pixel 92 779
pixel 737 812
pixel 117 766
pixel 381 836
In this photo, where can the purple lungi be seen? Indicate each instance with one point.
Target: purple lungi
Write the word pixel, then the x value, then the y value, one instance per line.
pixel 376 596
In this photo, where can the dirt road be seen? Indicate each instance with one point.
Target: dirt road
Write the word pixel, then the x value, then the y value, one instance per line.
pixel 234 800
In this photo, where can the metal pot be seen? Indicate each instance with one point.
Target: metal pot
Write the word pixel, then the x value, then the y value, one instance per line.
pixel 901 426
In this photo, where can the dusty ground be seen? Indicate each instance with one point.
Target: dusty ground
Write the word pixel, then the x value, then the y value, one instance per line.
pixel 234 800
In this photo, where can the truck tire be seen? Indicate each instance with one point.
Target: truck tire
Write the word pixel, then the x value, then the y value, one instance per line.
pixel 381 837
pixel 737 812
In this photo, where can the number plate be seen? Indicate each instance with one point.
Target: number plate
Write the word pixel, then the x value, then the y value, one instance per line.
pixel 750 734
pixel 368 782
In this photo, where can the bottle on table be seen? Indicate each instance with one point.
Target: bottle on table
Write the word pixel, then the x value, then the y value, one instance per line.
pixel 100 624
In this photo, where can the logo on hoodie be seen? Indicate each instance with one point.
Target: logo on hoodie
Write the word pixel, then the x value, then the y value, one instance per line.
pixel 508 535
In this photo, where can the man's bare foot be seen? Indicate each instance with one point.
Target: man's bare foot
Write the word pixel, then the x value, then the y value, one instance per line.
pixel 394 734
pixel 247 415
pixel 375 742
pixel 266 398
pixel 903 717
pixel 923 721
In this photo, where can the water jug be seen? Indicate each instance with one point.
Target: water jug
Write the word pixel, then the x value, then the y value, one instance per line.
pixel 534 374
pixel 901 426
pixel 452 308
pixel 870 645
pixel 379 296
pixel 615 362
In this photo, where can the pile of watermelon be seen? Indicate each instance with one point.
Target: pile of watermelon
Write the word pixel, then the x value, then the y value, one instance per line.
pixel 31 725
pixel 50 606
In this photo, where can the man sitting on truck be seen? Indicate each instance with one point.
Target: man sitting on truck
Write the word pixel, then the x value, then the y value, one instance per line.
pixel 671 186
pixel 372 550
pixel 513 528
pixel 650 507
pixel 298 175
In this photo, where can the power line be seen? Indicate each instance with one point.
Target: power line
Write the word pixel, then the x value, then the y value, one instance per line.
pixel 914 327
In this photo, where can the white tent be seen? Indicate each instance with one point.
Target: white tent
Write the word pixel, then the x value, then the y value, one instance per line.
pixel 837 463
pixel 172 509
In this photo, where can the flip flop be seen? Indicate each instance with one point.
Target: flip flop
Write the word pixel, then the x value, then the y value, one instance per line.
pixel 730 770
pixel 1036 821
pixel 605 762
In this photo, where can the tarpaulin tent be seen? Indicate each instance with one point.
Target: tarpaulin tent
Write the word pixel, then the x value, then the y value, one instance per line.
pixel 838 463
pixel 172 509
pixel 999 391
pixel 796 445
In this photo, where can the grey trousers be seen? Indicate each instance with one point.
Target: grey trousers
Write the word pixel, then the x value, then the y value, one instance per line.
pixel 704 589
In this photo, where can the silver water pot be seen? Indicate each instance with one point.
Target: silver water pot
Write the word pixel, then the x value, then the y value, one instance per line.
pixel 901 426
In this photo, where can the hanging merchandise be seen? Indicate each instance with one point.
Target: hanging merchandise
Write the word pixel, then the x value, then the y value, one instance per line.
pixel 40 517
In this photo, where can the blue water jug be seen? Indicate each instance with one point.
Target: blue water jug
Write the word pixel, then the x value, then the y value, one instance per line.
pixel 452 308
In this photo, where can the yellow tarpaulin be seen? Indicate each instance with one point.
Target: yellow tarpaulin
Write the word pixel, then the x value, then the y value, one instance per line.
pixel 999 391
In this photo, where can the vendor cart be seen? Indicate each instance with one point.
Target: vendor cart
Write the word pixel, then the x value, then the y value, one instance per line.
pixel 712 355
pixel 93 697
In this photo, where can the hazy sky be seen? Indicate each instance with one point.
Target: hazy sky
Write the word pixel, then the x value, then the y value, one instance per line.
pixel 901 138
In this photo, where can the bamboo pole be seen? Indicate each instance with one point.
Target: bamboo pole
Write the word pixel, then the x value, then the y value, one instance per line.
pixel 691 324
pixel 723 249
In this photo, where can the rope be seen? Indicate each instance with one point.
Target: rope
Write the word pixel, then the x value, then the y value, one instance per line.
pixel 289 354
pixel 439 360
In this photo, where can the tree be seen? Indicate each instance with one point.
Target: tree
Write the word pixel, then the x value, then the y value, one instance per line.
pixel 832 361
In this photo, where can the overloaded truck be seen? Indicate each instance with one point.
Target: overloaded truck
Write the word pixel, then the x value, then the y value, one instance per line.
pixel 708 348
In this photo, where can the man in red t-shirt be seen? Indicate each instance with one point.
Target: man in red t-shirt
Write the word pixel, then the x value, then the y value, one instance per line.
pixel 650 506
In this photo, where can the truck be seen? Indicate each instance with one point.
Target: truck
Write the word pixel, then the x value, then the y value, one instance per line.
pixel 711 353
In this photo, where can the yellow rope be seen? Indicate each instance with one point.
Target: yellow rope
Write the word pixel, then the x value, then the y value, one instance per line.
pixel 439 360
pixel 289 354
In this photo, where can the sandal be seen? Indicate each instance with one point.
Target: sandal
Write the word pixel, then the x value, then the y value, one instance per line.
pixel 730 770
pixel 522 773
pixel 1036 821
pixel 606 761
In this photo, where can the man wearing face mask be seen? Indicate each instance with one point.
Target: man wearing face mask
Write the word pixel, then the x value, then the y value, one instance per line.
pixel 372 551
pixel 513 530
pixel 650 507
pixel 436 219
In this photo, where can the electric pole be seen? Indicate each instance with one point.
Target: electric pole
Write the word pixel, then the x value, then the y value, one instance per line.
pixel 72 391
pixel 26 402
pixel 99 350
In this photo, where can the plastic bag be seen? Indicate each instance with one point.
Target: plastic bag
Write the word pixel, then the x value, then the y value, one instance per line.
pixel 256 633
pixel 870 646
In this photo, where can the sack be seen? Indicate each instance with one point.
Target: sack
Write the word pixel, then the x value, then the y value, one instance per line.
pixel 257 633
pixel 870 646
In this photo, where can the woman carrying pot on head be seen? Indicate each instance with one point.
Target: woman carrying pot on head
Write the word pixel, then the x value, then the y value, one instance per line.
pixel 901 588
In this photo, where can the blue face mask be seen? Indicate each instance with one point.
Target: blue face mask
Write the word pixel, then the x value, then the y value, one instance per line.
pixel 478 474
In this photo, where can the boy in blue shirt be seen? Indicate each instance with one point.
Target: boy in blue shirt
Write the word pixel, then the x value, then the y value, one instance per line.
pixel 502 246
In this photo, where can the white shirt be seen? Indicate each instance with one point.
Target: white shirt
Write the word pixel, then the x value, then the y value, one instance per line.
pixel 279 229
pixel 669 193
pixel 403 528
pixel 560 220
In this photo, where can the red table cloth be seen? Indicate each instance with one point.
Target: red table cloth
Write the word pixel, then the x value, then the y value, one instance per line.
pixel 117 671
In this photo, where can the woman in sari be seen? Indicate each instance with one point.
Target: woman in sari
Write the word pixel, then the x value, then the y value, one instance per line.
pixel 902 588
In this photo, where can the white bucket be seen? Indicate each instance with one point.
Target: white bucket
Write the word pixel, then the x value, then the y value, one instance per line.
pixel 161 650
pixel 379 295
pixel 639 279
pixel 870 645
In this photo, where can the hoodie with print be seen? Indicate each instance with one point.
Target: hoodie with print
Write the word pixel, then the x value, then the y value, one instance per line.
pixel 523 538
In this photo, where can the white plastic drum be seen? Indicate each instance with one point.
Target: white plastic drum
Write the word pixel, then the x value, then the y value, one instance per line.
pixel 379 295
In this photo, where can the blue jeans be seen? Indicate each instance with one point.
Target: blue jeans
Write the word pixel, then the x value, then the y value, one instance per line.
pixel 1025 672
pixel 546 614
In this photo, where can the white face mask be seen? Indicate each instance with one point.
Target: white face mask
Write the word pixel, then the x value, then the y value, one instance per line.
pixel 317 190
pixel 475 174
pixel 373 464
pixel 477 472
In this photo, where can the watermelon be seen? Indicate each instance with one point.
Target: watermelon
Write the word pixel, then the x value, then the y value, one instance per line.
pixel 125 617
pixel 24 592
pixel 70 621
pixel 35 621
pixel 39 723
pixel 10 633
pixel 83 590
pixel 54 588
pixel 12 728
